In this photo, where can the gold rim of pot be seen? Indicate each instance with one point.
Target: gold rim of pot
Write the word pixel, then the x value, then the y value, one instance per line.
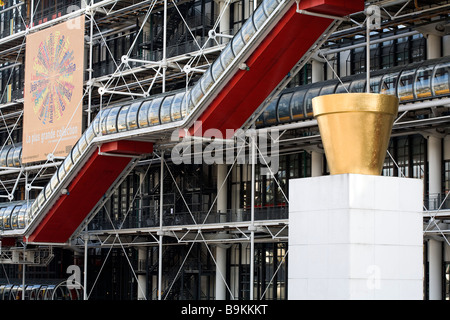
pixel 348 102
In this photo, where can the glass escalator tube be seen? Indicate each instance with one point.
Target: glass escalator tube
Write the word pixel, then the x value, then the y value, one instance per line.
pixel 422 83
pixel 206 81
pixel 190 104
pixel 389 84
pixel 76 152
pixel 104 120
pixel 122 119
pixel 441 79
pixel 2 210
pixel 270 6
pixel 343 87
pixel 196 95
pixel 22 216
pixel 7 217
pixel 143 114
pixel 96 123
pixel 329 87
pixel 40 199
pixel 89 134
pixel 248 29
pixel 405 86
pixel 270 114
pixel 68 162
pixel 165 110
pixel 237 43
pixel 283 109
pixel 259 17
pixel 132 115
pixel 297 106
pixel 311 94
pixel 111 123
pixel 153 112
pixel 10 157
pixel 176 107
pixel 17 157
pixel 15 217
pixel 358 85
pixel 48 191
pixel 34 208
pixel 184 106
pixel 4 154
pixel 375 84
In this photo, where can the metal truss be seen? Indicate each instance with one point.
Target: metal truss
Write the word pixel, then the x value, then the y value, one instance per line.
pixel 40 256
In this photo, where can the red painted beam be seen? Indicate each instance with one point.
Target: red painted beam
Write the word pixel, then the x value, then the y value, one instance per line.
pixel 8 242
pixel 274 58
pixel 127 147
pixel 86 189
pixel 332 7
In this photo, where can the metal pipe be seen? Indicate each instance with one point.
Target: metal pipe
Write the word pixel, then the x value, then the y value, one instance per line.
pixel 86 239
pixel 32 14
pixel 164 60
pixel 160 233
pixel 23 275
pixel 90 67
pixel 362 44
pixel 252 223
pixel 368 54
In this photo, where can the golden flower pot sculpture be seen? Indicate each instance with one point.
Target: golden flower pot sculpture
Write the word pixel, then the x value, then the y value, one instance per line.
pixel 355 130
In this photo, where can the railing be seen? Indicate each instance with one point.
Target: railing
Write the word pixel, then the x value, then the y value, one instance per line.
pixel 437 201
pixel 145 219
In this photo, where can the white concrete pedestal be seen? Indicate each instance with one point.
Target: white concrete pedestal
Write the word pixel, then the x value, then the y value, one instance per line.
pixel 355 237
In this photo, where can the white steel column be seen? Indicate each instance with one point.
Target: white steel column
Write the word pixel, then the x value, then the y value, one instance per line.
pixel 23 275
pixel 317 75
pixel 31 14
pixel 317 71
pixel 434 165
pixel 434 190
pixel 86 239
pixel 252 228
pixel 221 251
pixel 90 84
pixel 446 45
pixel 164 60
pixel 433 46
pixel 316 163
pixel 435 269
pixel 224 26
pixel 160 232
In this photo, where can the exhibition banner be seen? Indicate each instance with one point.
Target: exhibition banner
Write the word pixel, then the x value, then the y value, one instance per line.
pixel 53 90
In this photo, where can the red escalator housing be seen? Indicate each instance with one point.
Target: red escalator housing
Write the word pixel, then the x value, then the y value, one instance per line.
pixel 86 189
pixel 272 60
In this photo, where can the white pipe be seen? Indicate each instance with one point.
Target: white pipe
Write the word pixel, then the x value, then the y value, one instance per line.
pixel 161 199
pixel 362 44
pixel 368 54
pixel 90 67
pixel 252 223
pixel 164 60
pixel 86 239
